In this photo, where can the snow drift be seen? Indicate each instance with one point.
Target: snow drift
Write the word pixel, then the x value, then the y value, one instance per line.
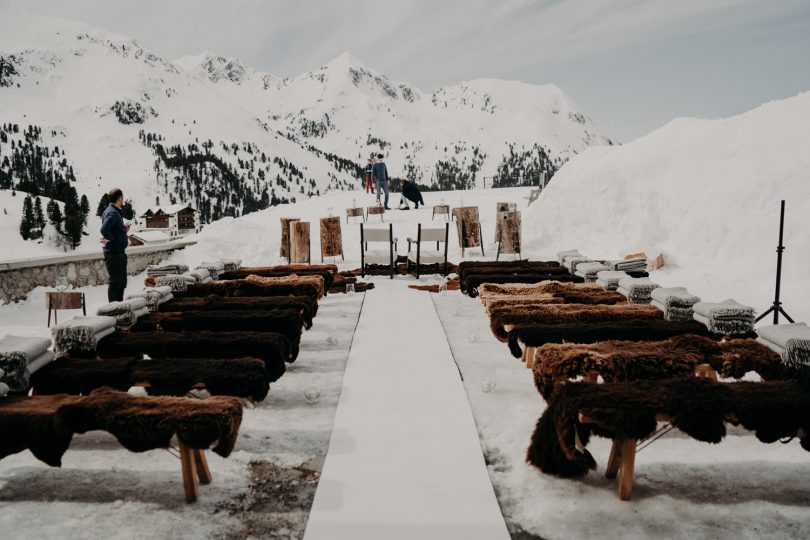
pixel 705 193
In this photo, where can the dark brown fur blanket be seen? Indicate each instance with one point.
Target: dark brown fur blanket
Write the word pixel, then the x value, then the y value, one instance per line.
pixel 46 424
pixel 536 335
pixel 565 313
pixel 676 357
pixel 285 322
pixel 699 407
pixel 243 288
pixel 238 377
pixel 466 268
pixel 307 305
pixel 328 272
pixel 272 349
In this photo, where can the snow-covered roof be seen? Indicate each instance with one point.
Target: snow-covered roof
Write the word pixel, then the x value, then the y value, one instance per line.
pixel 168 210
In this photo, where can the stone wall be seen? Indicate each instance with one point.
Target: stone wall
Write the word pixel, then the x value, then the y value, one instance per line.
pixel 18 278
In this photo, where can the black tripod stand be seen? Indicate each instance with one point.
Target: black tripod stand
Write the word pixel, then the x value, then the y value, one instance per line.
pixel 776 308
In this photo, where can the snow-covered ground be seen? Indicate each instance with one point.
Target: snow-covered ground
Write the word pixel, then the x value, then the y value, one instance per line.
pixel 740 488
pixel 263 490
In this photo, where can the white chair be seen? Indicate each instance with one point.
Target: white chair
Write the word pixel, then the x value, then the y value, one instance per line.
pixel 378 256
pixel 429 256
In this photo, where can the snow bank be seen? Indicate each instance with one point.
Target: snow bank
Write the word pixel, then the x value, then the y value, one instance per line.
pixel 705 193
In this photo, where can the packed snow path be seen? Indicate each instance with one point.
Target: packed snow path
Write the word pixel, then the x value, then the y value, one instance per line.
pixel 404 460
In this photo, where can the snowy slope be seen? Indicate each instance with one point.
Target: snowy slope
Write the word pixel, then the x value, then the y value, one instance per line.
pixel 349 109
pixel 705 193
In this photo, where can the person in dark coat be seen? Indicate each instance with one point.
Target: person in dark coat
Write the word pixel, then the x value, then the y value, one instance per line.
pixel 114 240
pixel 379 173
pixel 410 192
pixel 369 184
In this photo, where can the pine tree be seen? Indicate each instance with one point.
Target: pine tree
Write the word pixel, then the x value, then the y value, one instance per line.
pixel 55 215
pixel 127 210
pixel 27 221
pixel 74 220
pixel 85 206
pixel 103 204
pixel 39 217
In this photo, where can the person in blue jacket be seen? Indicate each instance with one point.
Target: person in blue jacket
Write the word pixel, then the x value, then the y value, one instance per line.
pixel 379 173
pixel 114 240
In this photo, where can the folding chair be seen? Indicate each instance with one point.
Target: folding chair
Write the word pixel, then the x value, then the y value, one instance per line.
pixel 428 256
pixel 377 256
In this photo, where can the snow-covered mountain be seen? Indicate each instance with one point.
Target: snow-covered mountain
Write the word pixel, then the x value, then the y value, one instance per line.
pixel 231 139
pixel 459 133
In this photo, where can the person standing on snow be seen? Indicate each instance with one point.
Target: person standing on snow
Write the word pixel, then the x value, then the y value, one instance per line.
pixel 369 185
pixel 114 241
pixel 379 173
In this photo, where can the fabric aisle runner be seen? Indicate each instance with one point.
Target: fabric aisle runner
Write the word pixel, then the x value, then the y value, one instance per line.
pixel 404 458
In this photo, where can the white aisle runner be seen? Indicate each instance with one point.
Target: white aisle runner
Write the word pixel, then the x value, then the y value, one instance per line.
pixel 404 459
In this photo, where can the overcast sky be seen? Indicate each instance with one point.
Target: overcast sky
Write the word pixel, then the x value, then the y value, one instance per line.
pixel 632 65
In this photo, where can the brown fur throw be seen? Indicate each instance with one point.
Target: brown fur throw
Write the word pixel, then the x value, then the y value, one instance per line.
pixel 46 424
pixel 530 289
pixel 359 286
pixel 307 305
pixel 245 288
pixel 272 349
pixel 599 297
pixel 565 313
pixel 648 360
pixel 470 267
pixel 238 377
pixel 452 285
pixel 699 407
pixel 536 335
pixel 471 282
pixel 327 272
pixel 285 322
pixel 293 279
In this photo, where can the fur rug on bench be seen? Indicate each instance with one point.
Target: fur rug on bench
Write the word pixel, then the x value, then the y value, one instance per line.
pixel 288 323
pixel 676 357
pixel 536 335
pixel 471 282
pixel 307 305
pixel 317 281
pixel 327 272
pixel 237 377
pixel 561 297
pixel 469 268
pixel 698 407
pixel 273 349
pixel 246 288
pixel 565 313
pixel 46 424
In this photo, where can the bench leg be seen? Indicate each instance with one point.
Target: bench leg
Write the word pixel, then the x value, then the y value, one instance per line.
pixel 530 357
pixel 615 460
pixel 188 464
pixel 626 472
pixel 201 464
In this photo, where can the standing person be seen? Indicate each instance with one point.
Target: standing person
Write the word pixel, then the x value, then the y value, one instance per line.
pixel 379 173
pixel 369 185
pixel 114 239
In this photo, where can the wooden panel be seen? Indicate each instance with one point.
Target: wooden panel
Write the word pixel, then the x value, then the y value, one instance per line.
pixel 468 226
pixel 354 212
pixel 65 300
pixel 331 237
pixel 509 224
pixel 376 209
pixel 285 235
pixel 299 242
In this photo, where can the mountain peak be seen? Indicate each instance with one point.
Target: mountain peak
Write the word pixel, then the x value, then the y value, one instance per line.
pixel 344 62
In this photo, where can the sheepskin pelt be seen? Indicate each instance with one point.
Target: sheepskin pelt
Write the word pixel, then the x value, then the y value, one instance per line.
pixel 238 377
pixel 649 360
pixel 318 281
pixel 307 305
pixel 468 268
pixel 471 283
pixel 46 424
pixel 288 323
pixel 536 335
pixel 565 313
pixel 562 297
pixel 273 349
pixel 246 288
pixel 700 408
pixel 327 272
pixel 531 289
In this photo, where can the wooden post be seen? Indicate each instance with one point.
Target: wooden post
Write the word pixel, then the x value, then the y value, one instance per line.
pixel 190 481
pixel 299 242
pixel 626 472
pixel 285 236
pixel 201 464
pixel 331 238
